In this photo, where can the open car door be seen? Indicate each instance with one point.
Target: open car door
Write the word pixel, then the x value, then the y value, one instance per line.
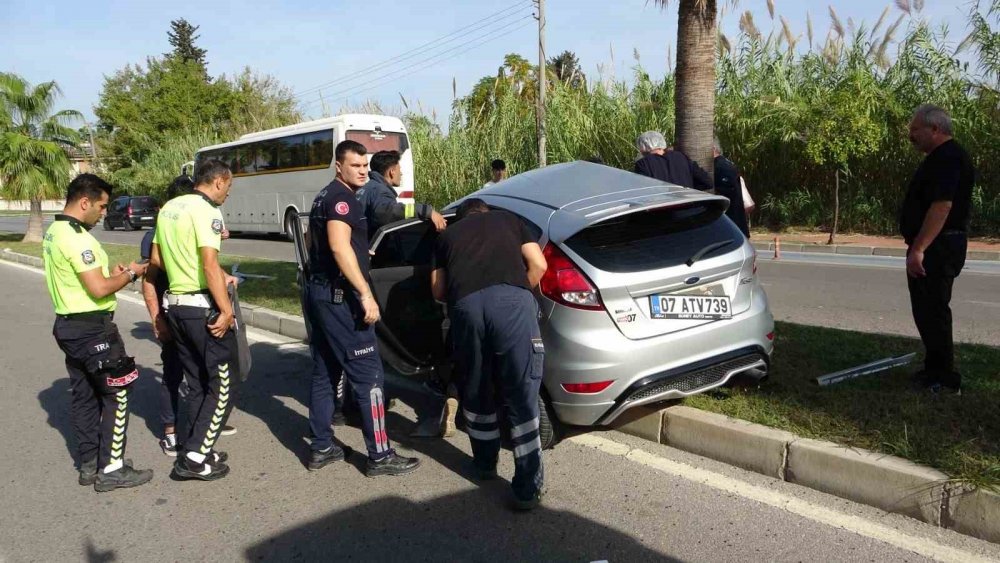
pixel 413 332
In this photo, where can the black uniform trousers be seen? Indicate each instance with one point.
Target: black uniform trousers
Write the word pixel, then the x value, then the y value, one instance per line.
pixel 100 376
pixel 930 299
pixel 341 342
pixel 209 364
pixel 173 376
pixel 498 344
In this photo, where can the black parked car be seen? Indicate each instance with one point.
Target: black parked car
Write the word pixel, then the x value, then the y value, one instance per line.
pixel 131 212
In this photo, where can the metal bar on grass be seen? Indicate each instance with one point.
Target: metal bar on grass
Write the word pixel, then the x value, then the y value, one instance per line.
pixel 866 369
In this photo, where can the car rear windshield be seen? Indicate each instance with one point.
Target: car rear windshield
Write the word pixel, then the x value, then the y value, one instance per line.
pixel 659 238
pixel 144 202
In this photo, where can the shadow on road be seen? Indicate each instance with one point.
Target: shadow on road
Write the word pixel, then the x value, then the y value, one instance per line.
pixel 469 526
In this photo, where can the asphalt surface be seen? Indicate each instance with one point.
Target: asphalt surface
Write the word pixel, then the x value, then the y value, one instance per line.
pixel 866 293
pixel 610 497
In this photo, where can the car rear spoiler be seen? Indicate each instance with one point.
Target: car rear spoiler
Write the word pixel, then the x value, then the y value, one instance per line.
pixel 577 216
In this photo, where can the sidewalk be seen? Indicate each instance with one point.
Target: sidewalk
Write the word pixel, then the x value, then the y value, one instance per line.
pixel 858 245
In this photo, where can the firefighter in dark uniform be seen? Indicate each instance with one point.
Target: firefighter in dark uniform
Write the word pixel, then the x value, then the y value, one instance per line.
pixel 200 315
pixel 82 288
pixel 934 221
pixel 485 266
pixel 343 312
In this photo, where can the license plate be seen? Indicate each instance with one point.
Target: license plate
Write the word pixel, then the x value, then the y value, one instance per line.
pixel 690 307
pixel 147 218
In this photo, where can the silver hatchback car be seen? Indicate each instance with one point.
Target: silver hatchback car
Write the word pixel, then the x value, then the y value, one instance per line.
pixel 651 292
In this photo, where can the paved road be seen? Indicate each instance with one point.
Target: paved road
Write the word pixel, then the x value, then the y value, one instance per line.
pixel 865 293
pixel 272 247
pixel 611 497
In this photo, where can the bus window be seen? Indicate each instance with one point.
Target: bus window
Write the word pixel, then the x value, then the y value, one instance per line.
pixel 376 141
pixel 291 152
pixel 319 148
pixel 266 157
pixel 245 160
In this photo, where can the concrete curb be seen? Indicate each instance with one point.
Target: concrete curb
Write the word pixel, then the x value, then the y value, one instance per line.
pixel 890 483
pixel 763 246
pixel 887 482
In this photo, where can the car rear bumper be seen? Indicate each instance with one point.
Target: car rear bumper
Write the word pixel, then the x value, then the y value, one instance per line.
pixel 143 220
pixel 644 371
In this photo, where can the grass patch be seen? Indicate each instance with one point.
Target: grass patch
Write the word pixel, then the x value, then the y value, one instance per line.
pixel 881 412
pixel 280 294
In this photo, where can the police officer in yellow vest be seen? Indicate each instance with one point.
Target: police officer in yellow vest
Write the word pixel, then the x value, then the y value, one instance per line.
pixel 82 288
pixel 200 315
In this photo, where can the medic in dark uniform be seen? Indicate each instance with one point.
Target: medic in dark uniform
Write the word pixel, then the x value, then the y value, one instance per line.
pixel 100 372
pixel 485 267
pixel 343 313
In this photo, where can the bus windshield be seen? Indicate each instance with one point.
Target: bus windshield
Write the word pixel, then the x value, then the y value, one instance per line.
pixel 375 141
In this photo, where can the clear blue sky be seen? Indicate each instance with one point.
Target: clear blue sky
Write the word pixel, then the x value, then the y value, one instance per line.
pixel 305 44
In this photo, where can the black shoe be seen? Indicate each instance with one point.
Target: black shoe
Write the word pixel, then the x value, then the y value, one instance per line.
pixel 321 458
pixel 184 468
pixel 480 474
pixel 524 505
pixel 219 457
pixel 392 464
pixel 227 430
pixel 940 389
pixel 338 419
pixel 123 478
pixel 88 472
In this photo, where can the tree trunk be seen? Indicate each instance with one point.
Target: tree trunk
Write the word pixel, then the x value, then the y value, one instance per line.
pixel 836 206
pixel 694 113
pixel 34 232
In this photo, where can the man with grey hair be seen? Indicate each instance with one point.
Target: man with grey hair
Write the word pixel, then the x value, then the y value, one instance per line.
pixel 934 221
pixel 667 165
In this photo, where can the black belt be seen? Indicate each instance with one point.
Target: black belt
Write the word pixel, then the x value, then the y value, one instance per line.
pixel 89 316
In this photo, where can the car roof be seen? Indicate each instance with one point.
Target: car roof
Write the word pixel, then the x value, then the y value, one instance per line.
pixel 574 195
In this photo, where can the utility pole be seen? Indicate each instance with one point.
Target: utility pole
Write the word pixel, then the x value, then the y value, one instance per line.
pixel 542 74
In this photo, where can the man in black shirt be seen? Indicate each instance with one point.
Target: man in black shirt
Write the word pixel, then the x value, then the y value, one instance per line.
pixel 934 222
pixel 343 313
pixel 668 165
pixel 727 183
pixel 485 266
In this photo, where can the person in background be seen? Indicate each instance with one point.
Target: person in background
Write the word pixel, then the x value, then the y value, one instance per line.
pixel 659 162
pixel 729 183
pixel 378 196
pixel 934 221
pixel 498 169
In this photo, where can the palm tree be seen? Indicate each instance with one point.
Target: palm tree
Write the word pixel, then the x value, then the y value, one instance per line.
pixel 33 161
pixel 694 111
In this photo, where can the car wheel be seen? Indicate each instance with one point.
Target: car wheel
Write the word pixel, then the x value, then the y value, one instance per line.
pixel 107 225
pixel 548 425
pixel 130 226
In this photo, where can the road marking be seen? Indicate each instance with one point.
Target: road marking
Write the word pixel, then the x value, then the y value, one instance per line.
pixel 987 303
pixel 799 507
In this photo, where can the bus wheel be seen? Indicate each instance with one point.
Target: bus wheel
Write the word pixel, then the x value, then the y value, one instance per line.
pixel 290 224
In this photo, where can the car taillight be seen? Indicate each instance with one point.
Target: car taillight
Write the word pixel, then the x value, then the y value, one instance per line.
pixel 128 210
pixel 770 335
pixel 406 193
pixel 565 284
pixel 595 387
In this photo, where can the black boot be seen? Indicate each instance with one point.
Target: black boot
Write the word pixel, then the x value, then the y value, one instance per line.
pixel 124 478
pixel 321 458
pixel 88 472
pixel 392 464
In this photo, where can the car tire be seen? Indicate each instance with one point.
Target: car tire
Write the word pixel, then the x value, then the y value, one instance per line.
pixel 130 226
pixel 548 424
pixel 107 225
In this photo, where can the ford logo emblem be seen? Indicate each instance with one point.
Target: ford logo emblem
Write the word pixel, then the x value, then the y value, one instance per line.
pixel 692 280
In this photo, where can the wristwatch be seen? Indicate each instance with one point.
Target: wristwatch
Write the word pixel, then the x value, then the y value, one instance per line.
pixel 132 275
